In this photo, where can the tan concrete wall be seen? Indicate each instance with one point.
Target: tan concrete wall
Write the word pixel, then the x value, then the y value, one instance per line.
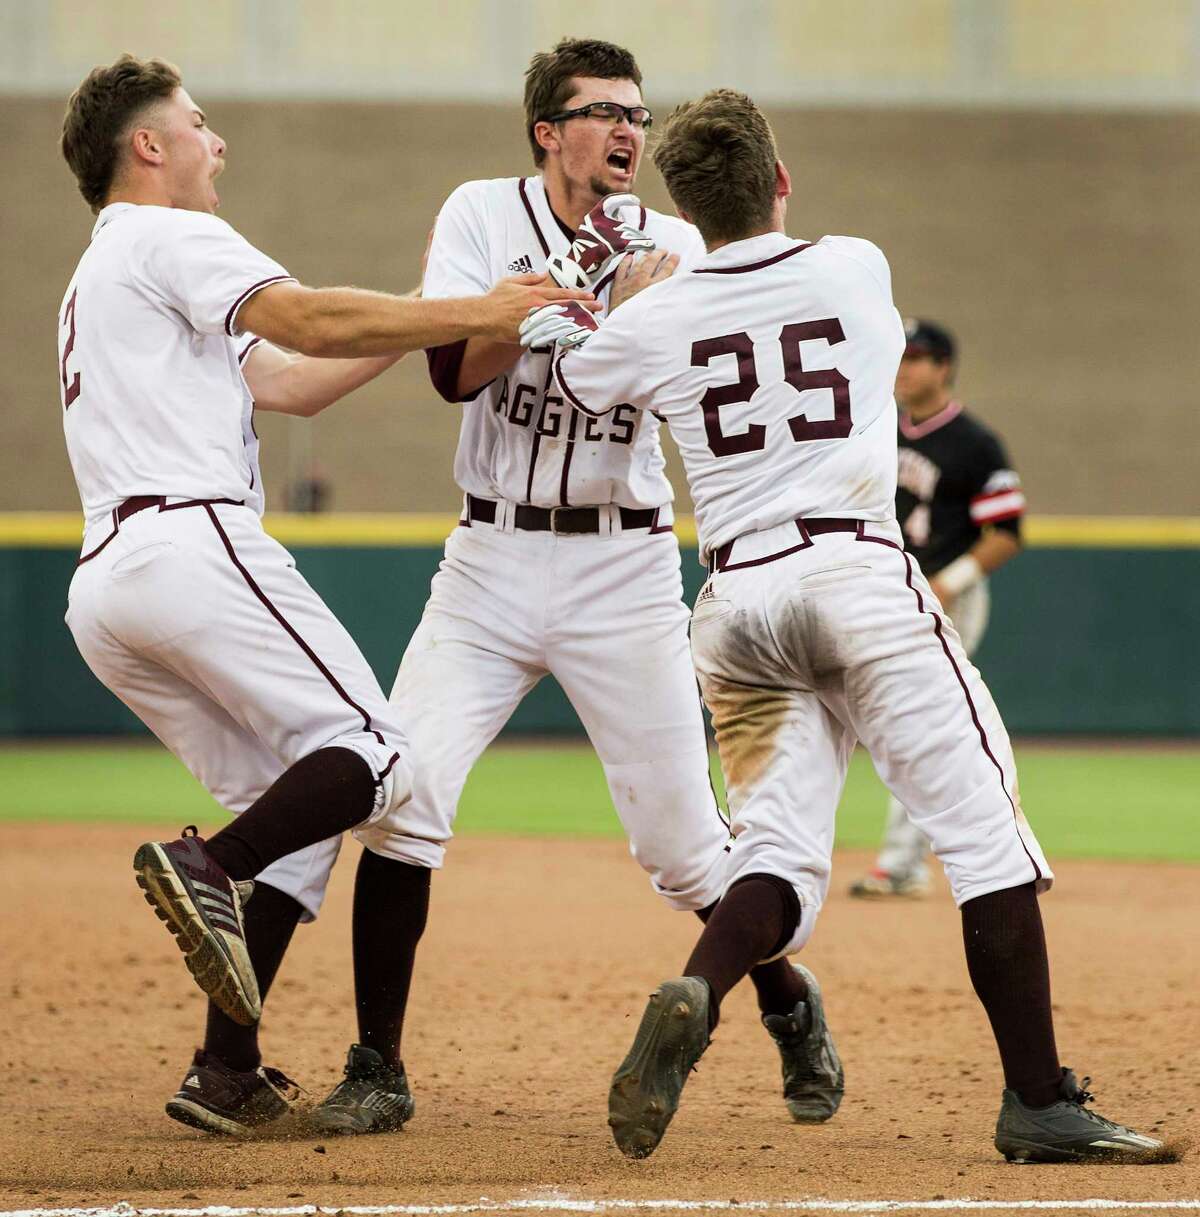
pixel 1108 53
pixel 1061 247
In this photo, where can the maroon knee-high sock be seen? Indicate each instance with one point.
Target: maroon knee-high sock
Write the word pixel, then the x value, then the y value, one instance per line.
pixel 1006 957
pixel 320 796
pixel 391 904
pixel 777 984
pixel 755 918
pixel 270 919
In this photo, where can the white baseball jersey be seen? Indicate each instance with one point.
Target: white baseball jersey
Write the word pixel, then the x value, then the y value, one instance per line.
pixel 519 440
pixel 186 609
pixel 773 361
pixel 510 604
pixel 153 397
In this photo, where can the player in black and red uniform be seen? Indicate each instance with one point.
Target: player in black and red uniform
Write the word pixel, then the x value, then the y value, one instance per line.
pixel 959 502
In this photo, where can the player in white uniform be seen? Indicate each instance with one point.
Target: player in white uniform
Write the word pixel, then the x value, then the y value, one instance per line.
pixel 181 604
pixel 564 563
pixel 959 504
pixel 773 363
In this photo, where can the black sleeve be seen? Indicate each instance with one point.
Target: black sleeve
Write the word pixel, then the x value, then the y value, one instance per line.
pixel 997 497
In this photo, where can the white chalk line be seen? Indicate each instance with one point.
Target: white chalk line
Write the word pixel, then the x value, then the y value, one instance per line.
pixel 567 1205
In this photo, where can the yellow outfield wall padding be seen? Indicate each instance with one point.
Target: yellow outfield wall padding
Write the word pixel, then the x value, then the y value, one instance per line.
pixel 63 530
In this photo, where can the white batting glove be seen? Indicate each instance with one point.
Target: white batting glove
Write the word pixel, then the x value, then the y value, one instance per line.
pixel 561 325
pixel 603 237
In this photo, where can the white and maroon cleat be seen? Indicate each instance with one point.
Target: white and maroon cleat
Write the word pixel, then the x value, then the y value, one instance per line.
pixel 202 907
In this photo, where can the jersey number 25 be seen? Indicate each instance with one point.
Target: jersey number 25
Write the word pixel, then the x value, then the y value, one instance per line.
pixel 803 429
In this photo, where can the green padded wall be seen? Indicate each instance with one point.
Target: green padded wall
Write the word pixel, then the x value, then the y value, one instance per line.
pixel 1095 641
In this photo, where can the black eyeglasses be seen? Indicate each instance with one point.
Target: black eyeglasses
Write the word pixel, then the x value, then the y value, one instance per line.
pixel 610 112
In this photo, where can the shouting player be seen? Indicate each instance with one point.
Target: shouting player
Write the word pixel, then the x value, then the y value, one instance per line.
pixel 773 362
pixel 959 504
pixel 181 604
pixel 564 563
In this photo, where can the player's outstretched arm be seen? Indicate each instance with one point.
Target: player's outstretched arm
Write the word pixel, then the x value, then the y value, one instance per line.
pixel 283 383
pixel 346 322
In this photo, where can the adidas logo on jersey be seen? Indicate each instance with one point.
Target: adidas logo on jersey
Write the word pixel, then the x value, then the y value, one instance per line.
pixel 522 265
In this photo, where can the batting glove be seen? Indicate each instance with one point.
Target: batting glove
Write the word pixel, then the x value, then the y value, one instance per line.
pixel 603 237
pixel 561 325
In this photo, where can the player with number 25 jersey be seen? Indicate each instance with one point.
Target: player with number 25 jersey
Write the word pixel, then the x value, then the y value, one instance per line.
pixel 773 361
pixel 768 394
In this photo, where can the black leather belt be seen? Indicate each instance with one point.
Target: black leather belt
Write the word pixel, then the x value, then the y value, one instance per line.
pixel 560 520
pixel 718 560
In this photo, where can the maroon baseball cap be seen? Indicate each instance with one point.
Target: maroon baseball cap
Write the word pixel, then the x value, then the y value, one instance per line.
pixel 928 338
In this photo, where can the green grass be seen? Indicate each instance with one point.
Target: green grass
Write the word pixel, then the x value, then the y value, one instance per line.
pixel 1093 801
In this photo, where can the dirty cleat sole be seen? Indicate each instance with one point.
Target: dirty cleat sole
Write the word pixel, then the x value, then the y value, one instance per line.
pixel 646 1087
pixel 219 962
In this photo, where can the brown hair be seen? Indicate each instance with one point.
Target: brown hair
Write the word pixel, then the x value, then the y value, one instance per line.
pixel 549 79
pixel 100 112
pixel 717 156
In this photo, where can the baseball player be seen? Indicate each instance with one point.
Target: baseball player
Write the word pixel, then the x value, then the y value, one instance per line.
pixel 959 504
pixel 564 563
pixel 773 362
pixel 181 604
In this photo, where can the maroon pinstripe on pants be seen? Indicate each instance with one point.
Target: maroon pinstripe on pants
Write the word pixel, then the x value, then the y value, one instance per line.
pixel 335 684
pixel 962 684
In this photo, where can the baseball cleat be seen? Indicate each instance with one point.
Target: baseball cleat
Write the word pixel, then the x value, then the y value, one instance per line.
pixel 813 1078
pixel 372 1097
pixel 1065 1131
pixel 222 1100
pixel 646 1087
pixel 877 884
pixel 202 907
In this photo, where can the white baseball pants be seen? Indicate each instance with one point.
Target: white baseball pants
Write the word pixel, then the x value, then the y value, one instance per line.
pixel 904 844
pixel 801 656
pixel 604 615
pixel 200 623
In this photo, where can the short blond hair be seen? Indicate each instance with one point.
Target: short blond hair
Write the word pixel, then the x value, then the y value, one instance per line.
pixel 717 156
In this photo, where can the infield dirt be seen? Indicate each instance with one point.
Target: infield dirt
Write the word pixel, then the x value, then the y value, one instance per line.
pixel 536 965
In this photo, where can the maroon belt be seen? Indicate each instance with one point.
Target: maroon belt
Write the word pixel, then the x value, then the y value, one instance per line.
pixel 139 502
pixel 143 502
pixel 718 560
pixel 563 520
